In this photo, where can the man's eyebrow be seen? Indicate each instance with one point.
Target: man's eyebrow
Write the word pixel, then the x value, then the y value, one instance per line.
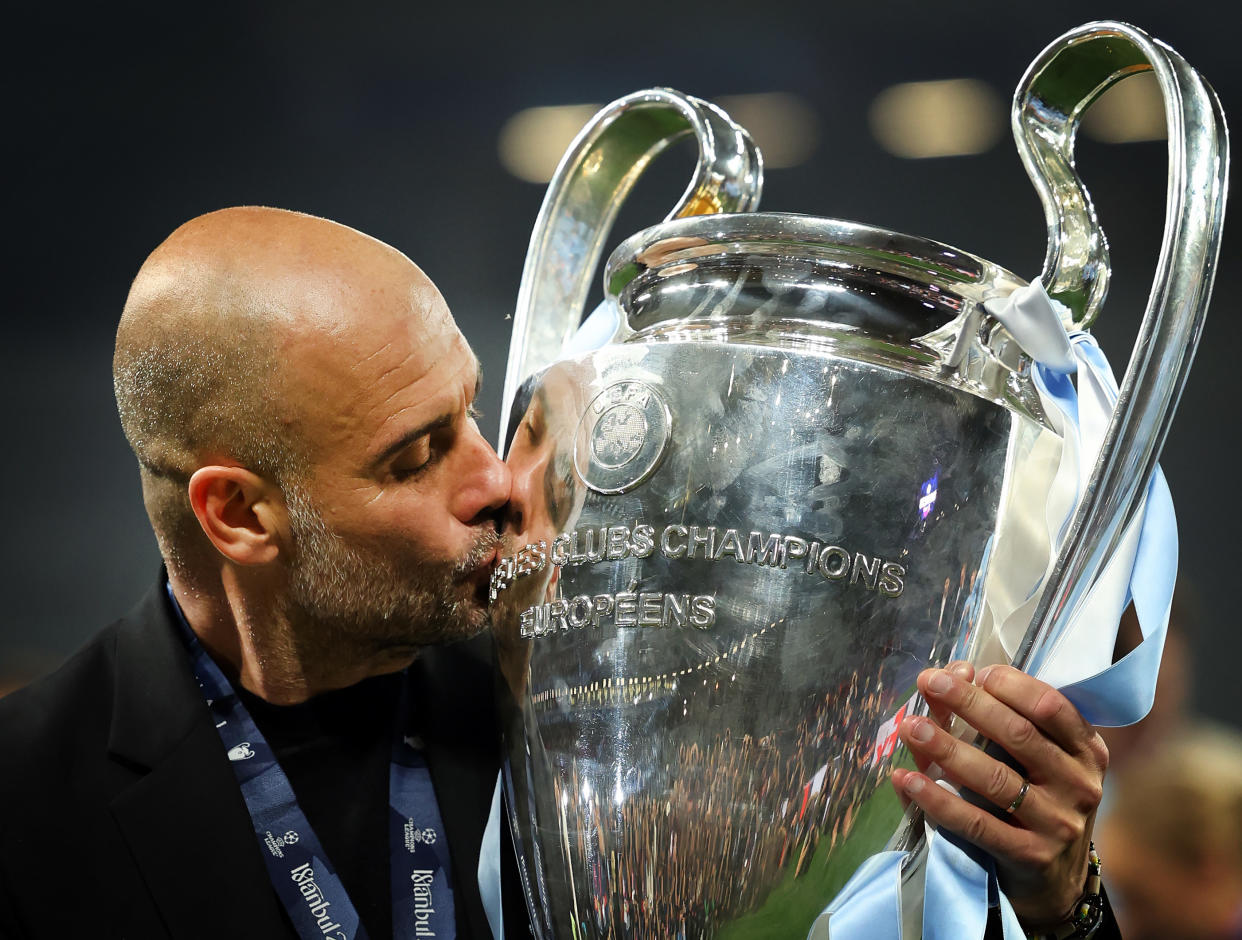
pixel 443 421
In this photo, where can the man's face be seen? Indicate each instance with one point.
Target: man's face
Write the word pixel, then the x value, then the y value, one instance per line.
pixel 393 527
pixel 545 493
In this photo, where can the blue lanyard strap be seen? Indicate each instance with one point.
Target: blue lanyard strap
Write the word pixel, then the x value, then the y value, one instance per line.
pixel 305 881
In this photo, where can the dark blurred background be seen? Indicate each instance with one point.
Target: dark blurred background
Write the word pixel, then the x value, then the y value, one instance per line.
pixel 126 121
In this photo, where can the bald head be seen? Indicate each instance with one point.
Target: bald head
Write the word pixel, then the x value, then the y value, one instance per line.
pixel 208 347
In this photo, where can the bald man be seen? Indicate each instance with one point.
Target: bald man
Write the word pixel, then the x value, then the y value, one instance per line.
pixel 300 403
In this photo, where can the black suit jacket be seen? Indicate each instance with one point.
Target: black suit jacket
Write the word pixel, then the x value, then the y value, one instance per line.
pixel 120 815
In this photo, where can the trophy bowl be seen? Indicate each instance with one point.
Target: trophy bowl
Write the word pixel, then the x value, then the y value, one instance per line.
pixel 750 526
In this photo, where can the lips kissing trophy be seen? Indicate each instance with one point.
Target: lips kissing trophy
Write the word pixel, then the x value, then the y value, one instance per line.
pixel 790 462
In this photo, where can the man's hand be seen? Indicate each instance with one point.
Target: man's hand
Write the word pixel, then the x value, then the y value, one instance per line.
pixel 1041 847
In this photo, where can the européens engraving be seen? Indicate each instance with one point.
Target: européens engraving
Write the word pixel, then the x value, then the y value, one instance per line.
pixel 625 609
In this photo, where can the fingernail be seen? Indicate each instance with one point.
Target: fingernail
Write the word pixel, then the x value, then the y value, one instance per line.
pixel 961 670
pixel 983 675
pixel 939 682
pixel 922 732
pixel 914 784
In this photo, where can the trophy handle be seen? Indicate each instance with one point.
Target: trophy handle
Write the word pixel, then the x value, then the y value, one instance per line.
pixel 592 181
pixel 1058 87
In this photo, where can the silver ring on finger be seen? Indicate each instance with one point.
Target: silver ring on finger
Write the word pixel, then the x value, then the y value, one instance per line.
pixel 1017 800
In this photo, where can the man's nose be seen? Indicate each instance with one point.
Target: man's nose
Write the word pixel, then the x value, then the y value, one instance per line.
pixel 522 481
pixel 486 483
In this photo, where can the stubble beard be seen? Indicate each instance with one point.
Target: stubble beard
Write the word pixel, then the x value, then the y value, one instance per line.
pixel 348 598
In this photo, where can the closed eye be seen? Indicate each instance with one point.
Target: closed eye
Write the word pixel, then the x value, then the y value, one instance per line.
pixel 416 457
pixel 419 449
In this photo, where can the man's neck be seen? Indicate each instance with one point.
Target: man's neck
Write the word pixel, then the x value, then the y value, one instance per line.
pixel 254 643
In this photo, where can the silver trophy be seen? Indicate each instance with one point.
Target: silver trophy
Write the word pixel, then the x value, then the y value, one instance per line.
pixel 773 488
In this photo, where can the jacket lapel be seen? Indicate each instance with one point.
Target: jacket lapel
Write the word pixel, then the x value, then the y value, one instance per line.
pixel 183 818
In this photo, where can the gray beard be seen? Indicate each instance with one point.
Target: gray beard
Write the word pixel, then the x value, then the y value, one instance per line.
pixel 347 600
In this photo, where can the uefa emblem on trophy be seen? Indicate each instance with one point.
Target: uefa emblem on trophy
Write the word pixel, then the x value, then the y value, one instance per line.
pixel 785 466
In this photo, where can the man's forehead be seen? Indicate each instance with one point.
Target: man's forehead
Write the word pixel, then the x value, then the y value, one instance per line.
pixel 372 381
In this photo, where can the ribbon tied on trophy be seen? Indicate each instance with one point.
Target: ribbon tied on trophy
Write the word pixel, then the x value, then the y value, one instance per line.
pixel 958 881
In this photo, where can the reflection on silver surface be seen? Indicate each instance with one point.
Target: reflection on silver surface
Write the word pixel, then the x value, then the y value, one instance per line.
pixel 742 527
pixel 698 673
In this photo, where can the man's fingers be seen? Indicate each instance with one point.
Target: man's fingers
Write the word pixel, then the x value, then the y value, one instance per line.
pixel 939 712
pixel 1040 847
pixel 969 767
pixel 901 794
pixel 996 721
pixel 972 823
pixel 1047 709
pixel 1043 869
pixel 963 670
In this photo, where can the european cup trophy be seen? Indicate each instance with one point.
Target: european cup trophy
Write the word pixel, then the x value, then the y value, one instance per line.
pixel 787 464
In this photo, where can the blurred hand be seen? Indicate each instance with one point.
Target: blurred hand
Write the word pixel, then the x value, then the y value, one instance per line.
pixel 1041 848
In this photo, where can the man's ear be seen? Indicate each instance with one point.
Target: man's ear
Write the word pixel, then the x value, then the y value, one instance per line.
pixel 240 512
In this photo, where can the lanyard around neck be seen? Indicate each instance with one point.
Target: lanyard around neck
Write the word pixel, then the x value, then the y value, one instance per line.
pixel 303 876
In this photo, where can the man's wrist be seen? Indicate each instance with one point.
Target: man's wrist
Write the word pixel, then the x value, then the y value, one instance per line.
pixel 1083 921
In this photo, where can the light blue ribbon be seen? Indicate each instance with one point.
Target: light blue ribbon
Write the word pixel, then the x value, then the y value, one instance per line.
pixel 489 868
pixel 959 884
pixel 1122 693
pixel 960 880
pixel 870 903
